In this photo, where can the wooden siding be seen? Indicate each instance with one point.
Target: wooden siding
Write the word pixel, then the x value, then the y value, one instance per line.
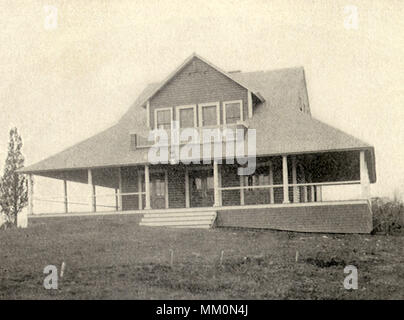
pixel 198 83
pixel 343 218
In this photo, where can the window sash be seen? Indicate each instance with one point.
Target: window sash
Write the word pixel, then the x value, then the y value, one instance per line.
pixel 186 122
pixel 209 114
pixel 163 118
pixel 233 111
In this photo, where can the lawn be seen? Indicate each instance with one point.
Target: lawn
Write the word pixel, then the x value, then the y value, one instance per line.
pixel 112 257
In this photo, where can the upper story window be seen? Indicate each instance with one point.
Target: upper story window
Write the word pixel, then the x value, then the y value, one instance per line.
pixel 209 114
pixel 232 111
pixel 163 118
pixel 186 115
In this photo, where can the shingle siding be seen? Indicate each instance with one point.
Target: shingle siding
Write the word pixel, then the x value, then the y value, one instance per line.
pixel 198 83
pixel 176 188
pixel 343 218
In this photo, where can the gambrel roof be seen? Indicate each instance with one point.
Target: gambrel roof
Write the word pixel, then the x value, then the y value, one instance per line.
pixel 281 127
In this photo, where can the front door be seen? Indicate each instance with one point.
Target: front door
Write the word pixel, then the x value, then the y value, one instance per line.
pixel 158 191
pixel 201 188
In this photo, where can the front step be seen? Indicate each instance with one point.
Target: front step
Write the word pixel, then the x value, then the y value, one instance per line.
pixel 202 220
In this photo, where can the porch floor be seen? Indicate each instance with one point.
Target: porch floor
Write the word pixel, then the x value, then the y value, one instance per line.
pixel 203 209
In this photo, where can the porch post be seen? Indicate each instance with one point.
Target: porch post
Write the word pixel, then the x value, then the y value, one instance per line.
pixel 271 182
pixel 305 195
pixel 294 181
pixel 116 199
pixel 242 190
pixel 364 176
pixel 139 189
pixel 92 191
pixel 220 184
pixel 120 189
pixel 166 187
pixel 187 205
pixel 147 186
pixel 30 195
pixel 216 183
pixel 285 179
pixel 65 196
pixel 319 193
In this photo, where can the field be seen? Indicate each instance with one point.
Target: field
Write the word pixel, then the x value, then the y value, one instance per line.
pixel 112 257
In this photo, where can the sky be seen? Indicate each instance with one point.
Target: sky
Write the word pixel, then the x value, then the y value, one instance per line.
pixel 60 84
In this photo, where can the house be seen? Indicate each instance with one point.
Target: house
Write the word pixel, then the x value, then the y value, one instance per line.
pixel 294 156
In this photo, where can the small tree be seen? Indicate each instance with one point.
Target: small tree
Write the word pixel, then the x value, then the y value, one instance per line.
pixel 13 186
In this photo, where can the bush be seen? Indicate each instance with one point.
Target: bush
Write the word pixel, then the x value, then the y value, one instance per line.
pixel 6 225
pixel 388 216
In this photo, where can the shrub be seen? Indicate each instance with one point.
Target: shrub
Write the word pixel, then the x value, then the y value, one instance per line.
pixel 388 216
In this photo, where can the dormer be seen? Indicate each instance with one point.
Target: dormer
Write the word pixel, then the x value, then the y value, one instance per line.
pixel 198 94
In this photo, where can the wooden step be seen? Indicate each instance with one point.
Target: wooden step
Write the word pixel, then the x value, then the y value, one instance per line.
pixel 203 220
pixel 196 218
pixel 175 223
pixel 181 214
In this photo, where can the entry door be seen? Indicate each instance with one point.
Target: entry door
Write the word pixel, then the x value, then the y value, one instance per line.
pixel 201 188
pixel 158 191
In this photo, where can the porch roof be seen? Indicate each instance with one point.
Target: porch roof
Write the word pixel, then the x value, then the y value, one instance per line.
pixel 280 127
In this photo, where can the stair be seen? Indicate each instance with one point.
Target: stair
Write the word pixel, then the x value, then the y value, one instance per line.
pixel 203 219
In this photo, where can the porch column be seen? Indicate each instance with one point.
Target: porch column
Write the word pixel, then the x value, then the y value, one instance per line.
pixel 92 201
pixel 120 189
pixel 305 191
pixel 271 182
pixel 220 184
pixel 166 187
pixel 216 183
pixel 242 190
pixel 285 179
pixel 116 199
pixel 139 189
pixel 30 195
pixel 364 176
pixel 319 192
pixel 294 181
pixel 65 196
pixel 187 205
pixel 147 186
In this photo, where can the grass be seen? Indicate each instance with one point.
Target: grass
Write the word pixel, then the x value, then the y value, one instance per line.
pixel 112 257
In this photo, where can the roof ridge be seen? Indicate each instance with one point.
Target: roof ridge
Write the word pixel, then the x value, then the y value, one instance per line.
pixel 272 70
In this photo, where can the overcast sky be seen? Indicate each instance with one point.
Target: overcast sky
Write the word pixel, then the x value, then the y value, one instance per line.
pixel 62 85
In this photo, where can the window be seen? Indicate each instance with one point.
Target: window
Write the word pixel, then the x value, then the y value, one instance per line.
pixel 160 188
pixel 257 179
pixel 209 183
pixel 198 183
pixel 232 111
pixel 209 114
pixel 163 117
pixel 186 115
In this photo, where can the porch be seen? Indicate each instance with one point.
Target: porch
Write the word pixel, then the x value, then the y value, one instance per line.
pixel 281 191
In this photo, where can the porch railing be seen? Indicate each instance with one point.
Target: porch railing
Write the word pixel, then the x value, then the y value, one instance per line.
pixel 298 193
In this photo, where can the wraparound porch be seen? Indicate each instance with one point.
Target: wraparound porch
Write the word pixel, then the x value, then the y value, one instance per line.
pixel 276 180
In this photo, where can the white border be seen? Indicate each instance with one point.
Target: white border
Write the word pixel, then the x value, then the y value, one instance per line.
pixel 179 108
pixel 225 103
pixel 210 104
pixel 162 109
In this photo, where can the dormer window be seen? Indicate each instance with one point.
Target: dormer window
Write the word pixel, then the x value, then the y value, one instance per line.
pixel 163 118
pixel 209 114
pixel 232 111
pixel 186 116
